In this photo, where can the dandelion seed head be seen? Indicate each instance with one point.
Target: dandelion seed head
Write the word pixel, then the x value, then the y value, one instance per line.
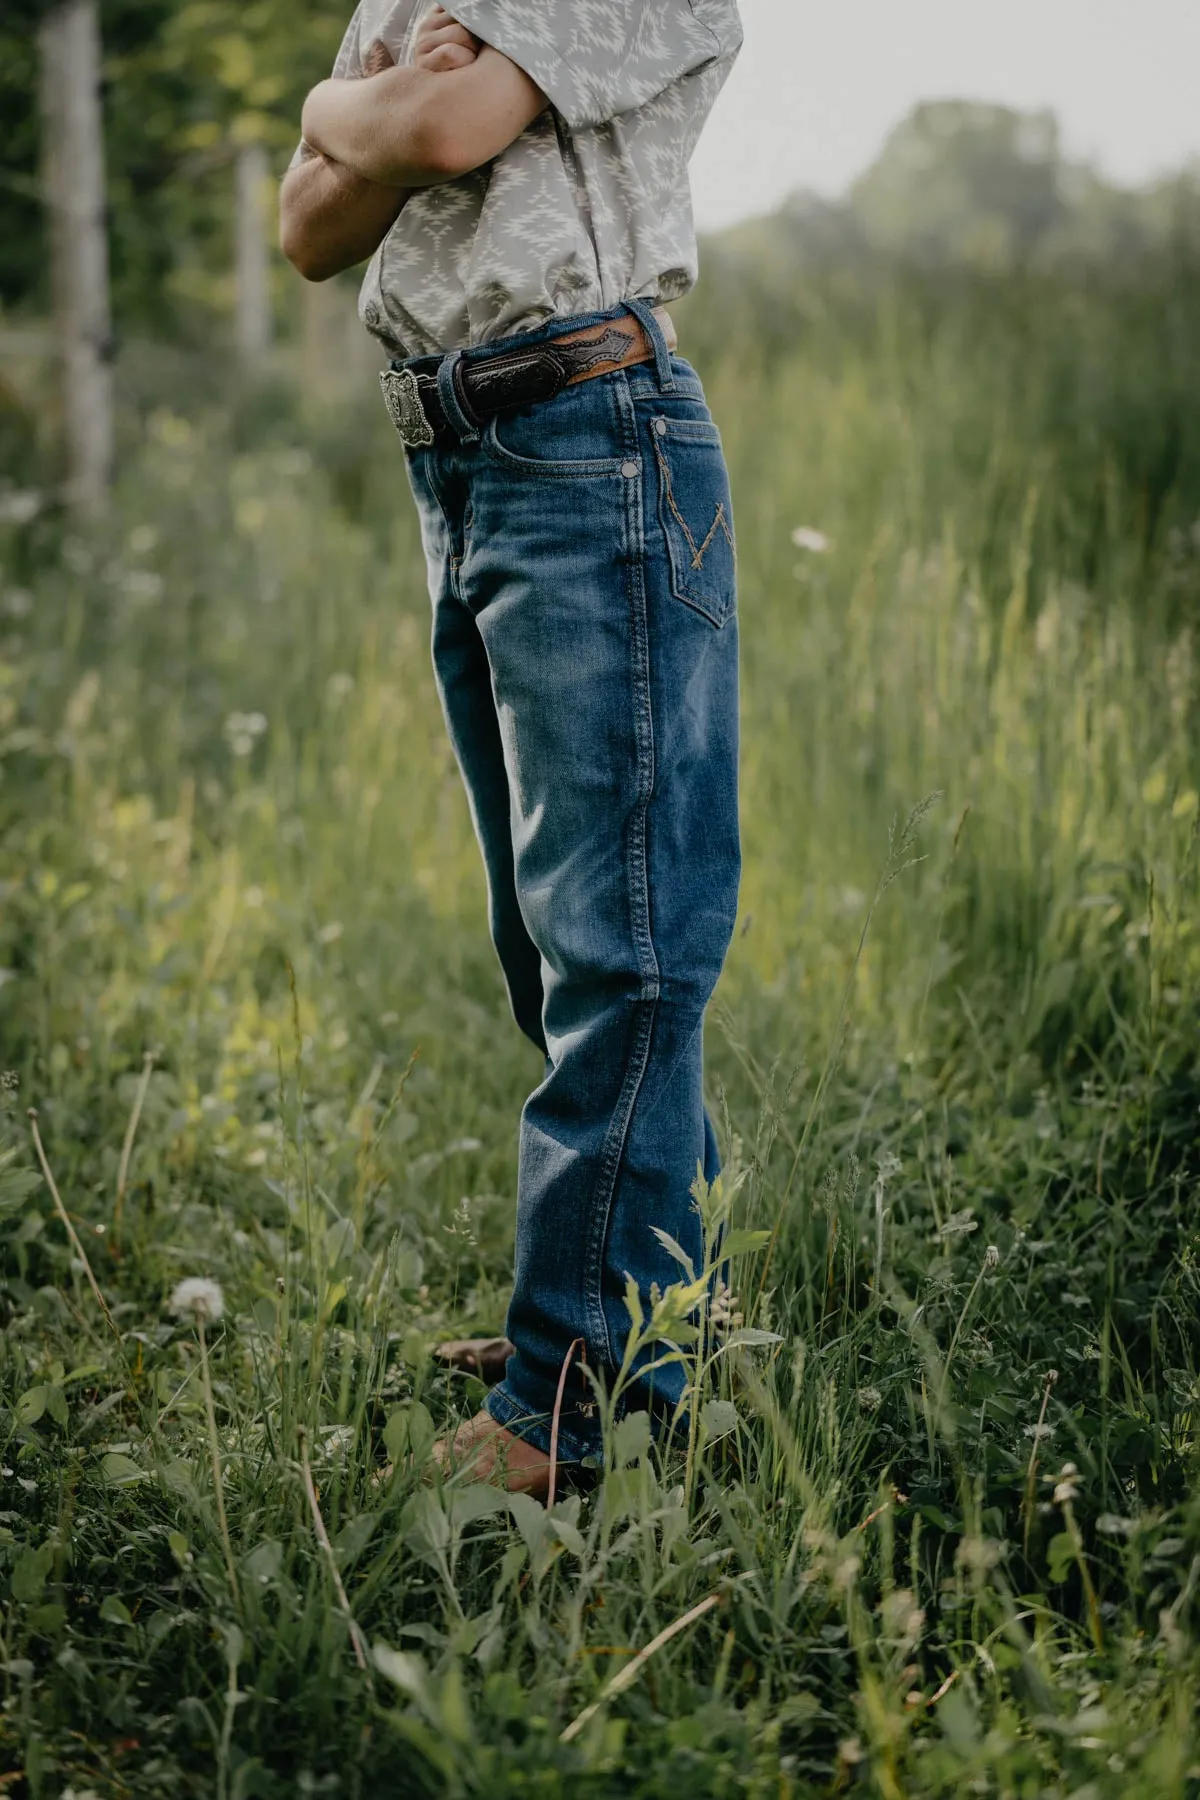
pixel 845 1574
pixel 196 1297
pixel 979 1554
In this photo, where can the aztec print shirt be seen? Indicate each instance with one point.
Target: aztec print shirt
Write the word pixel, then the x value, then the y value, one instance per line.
pixel 589 206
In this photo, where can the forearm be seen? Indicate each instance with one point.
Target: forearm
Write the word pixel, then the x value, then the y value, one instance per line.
pixel 378 127
pixel 413 128
pixel 331 218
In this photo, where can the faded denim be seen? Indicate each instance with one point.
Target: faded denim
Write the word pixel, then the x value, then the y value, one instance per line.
pixel 581 566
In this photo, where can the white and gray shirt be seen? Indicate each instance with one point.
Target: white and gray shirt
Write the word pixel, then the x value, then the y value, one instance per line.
pixel 589 206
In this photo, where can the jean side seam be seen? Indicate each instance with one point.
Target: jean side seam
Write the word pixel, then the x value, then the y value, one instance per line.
pixel 643 717
pixel 600 1211
pixel 638 887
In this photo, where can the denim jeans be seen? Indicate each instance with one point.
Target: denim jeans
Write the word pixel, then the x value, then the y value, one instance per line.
pixel 581 566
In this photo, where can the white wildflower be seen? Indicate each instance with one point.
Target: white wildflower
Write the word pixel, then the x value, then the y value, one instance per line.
pixel 870 1399
pixel 723 1313
pixel 991 1257
pixel 1067 1486
pixel 198 1298
pixel 807 537
pixel 19 505
pixel 242 729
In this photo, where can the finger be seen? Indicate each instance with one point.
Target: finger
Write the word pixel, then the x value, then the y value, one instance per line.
pixel 450 33
pixel 444 57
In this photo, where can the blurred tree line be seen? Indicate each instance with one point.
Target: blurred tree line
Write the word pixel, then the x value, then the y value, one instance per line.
pixel 972 185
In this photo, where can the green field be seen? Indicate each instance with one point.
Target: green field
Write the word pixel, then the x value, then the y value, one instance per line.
pixel 939 1531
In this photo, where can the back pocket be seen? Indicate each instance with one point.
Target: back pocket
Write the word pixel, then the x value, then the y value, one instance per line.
pixel 696 513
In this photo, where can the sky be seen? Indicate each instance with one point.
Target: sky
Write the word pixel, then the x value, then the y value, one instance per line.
pixel 817 87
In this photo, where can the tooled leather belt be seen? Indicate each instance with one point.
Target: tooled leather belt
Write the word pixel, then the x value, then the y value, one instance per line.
pixel 486 385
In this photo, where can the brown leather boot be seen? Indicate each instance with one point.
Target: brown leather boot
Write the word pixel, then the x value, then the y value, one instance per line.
pixel 484 1357
pixel 481 1450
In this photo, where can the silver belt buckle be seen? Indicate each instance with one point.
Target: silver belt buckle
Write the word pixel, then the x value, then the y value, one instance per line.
pixel 402 397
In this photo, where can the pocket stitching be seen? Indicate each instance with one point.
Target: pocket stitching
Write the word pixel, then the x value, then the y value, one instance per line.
pixel 719 522
pixel 581 469
pixel 697 431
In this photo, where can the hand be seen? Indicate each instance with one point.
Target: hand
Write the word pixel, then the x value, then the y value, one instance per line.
pixel 442 43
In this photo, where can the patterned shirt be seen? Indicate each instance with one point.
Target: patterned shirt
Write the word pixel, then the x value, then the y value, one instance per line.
pixel 589 206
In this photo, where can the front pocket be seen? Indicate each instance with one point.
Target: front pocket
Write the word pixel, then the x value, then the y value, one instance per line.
pixel 696 514
pixel 574 436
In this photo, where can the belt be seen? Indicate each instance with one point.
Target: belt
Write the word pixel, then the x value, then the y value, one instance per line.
pixel 485 385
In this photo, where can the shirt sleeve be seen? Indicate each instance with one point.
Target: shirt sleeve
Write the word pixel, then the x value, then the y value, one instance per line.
pixel 389 20
pixel 596 59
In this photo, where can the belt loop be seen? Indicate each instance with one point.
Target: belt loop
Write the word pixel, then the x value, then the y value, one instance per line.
pixel 643 312
pixel 447 387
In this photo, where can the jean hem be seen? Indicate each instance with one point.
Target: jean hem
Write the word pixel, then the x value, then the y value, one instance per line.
pixel 533 1425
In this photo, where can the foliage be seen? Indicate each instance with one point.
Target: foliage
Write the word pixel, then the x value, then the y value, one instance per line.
pixel 962 184
pixel 184 84
pixel 934 1528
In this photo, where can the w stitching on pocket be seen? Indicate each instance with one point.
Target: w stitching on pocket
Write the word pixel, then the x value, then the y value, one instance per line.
pixel 720 523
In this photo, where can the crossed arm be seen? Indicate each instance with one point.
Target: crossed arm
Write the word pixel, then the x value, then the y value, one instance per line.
pixel 372 140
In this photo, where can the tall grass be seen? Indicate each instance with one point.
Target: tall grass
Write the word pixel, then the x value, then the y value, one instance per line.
pixel 936 1530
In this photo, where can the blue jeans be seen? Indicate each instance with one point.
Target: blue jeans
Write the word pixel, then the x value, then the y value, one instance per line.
pixel 581 567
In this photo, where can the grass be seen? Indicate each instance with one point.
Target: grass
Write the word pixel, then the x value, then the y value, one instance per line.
pixel 937 1530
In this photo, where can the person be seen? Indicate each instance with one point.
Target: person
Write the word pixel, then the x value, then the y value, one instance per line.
pixel 517 174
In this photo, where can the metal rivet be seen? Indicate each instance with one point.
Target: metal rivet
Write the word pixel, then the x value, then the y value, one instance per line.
pixel 660 425
pixel 629 468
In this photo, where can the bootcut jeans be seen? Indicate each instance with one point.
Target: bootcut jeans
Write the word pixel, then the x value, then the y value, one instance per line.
pixel 581 568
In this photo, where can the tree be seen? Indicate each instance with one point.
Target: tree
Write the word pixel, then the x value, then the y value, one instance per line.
pixel 252 265
pixel 186 85
pixel 961 179
pixel 73 160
